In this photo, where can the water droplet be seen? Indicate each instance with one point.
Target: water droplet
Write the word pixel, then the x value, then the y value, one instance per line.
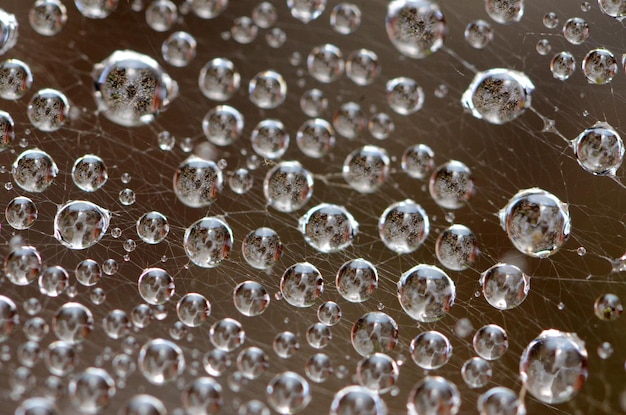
pixel 131 88
pixel 53 281
pixel 208 241
pixel 219 80
pixel 432 395
pixel 34 170
pixel 563 65
pixel 72 322
pixel 374 332
pixel 478 34
pixel 553 367
pixel 500 400
pixel 227 334
pixel 288 186
pixel 417 28
pixel 306 10
pixel 179 49
pixel 315 138
pixel 505 286
pixel 313 102
pixel 161 15
pixel 377 372
pixel 329 313
pixel 576 30
pixel 161 361
pixel 366 168
pixel 498 95
pixel 363 66
pixel 608 307
pixel 318 368
pixel 430 350
pixel 223 125
pixel 536 222
pixel 325 63
pixel 599 149
pixel 357 280
pixel 80 224
pixel 267 89
pixel 202 396
pixel 251 298
pixel 288 392
pixel 457 248
pixel 285 344
pixel 16 80
pixel 426 293
pixel 599 66
pixel 345 18
pixel 505 11
pixel 270 139
pixel 21 213
pixel 404 95
pixel 301 284
pixel 328 228
pixel 89 173
pixel 451 185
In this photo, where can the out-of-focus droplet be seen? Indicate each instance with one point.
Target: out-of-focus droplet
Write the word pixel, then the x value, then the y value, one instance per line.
pixel 9 30
pixel 345 18
pixel 251 298
pixel 161 15
pixel 478 34
pixel 219 80
pixel 161 361
pixel 288 392
pixel 404 95
pixel 500 401
pixel 563 65
pixel 96 9
pixel 433 395
pixel 608 307
pixel 325 63
pixel 505 11
pixel 179 49
pixel 306 10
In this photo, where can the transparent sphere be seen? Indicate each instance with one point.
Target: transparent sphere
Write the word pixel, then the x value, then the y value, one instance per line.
pixel 363 66
pixel 403 226
pixel 61 358
pixel 208 9
pixel 356 280
pixel 38 406
pixel 553 367
pixel 490 342
pixel 417 28
pixel 193 309
pixel 262 248
pixel 306 10
pixel 536 222
pixel 434 395
pixel 155 286
pixel 267 89
pixel 22 265
pixel 8 318
pixel 501 401
pixel 366 169
pixel 608 307
pixel 576 30
pixel 264 15
pixel 9 30
pixel 252 362
pixel 161 361
pixel 219 80
pixel 34 170
pixel 131 88
pixel 202 396
pixel 374 332
pixel 89 173
pixel 288 393
pixel 328 228
pixel 563 65
pixel 426 293
pixel 92 390
pixel 349 120
pixel 451 185
pixel 345 18
pixel 96 9
pixel 251 298
pixel 72 323
pixel 285 344
pixel 161 15
pixel 47 17
pixel 223 125
pixel 315 138
pixel 208 241
pixel 313 102
pixel 404 95
pixel 179 49
pixel 378 372
pixel 550 20
pixel 21 213
pixel 227 334
pixel 7 130
pixel 16 79
pixel 325 63
pixel 152 227
pixel 505 11
pixel 53 281
pixel 613 8
pixel 318 335
pixel 476 372
pixel 380 126
pixel 430 350
pixel 143 405
pixel 418 161
pixel 88 272
pixel 270 139
pixel 357 400
pixel 197 182
pixel 505 286
pixel 288 186
pixel 498 95
pixel 599 149
pixel 478 34
pixel 318 368
pixel 457 248
pixel 599 66
pixel 240 181
pixel 329 313
pixel 80 224
pixel 301 284
pixel 116 324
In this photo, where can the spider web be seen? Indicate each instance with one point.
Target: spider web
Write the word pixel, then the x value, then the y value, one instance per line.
pixel 525 153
